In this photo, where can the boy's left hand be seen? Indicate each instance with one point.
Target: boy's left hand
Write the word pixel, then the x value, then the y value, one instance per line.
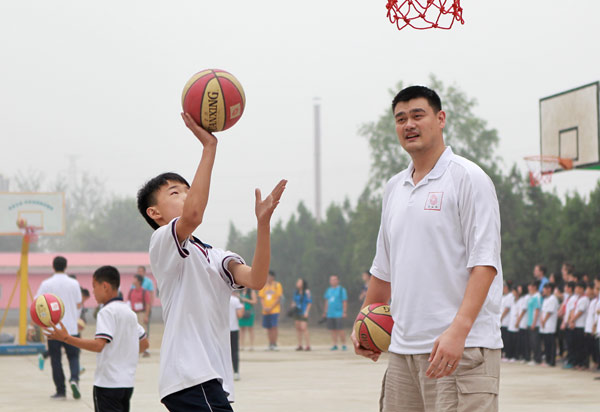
pixel 56 333
pixel 264 208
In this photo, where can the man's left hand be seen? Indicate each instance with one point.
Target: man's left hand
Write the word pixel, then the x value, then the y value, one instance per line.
pixel 447 352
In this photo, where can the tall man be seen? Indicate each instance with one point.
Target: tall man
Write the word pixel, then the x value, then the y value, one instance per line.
pixel 438 257
pixel 539 273
pixel 69 291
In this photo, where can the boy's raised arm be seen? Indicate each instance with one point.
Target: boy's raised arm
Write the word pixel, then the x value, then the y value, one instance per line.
pixel 255 277
pixel 197 197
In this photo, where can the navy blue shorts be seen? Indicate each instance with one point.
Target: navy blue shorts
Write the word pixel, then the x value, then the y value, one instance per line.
pixel 270 321
pixel 206 397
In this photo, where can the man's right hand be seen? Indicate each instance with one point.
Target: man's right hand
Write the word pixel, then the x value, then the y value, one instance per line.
pixel 362 351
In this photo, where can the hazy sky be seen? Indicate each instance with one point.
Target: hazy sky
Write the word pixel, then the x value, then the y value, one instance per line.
pixel 101 82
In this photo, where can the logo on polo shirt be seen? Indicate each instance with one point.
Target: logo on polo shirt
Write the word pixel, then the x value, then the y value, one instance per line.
pixel 434 201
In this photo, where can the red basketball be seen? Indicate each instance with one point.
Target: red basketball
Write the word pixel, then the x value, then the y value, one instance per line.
pixel 214 98
pixel 373 327
pixel 47 309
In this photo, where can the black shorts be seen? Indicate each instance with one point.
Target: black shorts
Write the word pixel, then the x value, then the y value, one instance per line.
pixel 205 397
pixel 335 323
pixel 112 399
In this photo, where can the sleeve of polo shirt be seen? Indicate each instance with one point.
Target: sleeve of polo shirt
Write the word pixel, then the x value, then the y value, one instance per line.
pixel 166 253
pixel 480 220
pixel 381 263
pixel 105 326
pixel 222 262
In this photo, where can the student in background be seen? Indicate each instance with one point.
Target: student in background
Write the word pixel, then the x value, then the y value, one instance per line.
pixel 236 311
pixel 548 323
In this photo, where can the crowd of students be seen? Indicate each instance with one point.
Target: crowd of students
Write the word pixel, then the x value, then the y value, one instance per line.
pixel 554 318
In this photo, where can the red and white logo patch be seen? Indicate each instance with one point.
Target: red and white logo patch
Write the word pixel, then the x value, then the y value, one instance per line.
pixel 235 111
pixel 434 201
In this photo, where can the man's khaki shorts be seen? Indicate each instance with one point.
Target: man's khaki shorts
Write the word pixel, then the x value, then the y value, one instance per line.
pixel 472 387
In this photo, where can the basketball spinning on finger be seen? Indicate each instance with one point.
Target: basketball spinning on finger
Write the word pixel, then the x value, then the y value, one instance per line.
pixel 214 98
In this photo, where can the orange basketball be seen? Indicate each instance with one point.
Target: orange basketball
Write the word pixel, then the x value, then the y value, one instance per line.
pixel 214 98
pixel 47 309
pixel 373 327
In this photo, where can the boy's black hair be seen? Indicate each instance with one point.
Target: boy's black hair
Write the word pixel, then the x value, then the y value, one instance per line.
pixel 535 283
pixel 59 264
pixel 571 284
pixel 581 284
pixel 146 196
pixel 108 274
pixel 85 292
pixel 139 278
pixel 414 92
pixel 542 268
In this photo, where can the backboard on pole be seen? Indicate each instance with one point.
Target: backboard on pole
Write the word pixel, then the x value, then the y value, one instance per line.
pixel 44 212
pixel 569 127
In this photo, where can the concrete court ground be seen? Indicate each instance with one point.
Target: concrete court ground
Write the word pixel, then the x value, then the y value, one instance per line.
pixel 292 381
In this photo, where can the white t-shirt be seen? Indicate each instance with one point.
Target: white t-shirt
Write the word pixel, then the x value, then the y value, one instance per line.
pixel 590 318
pixel 234 305
pixel 582 306
pixel 195 289
pixel 549 305
pixel 513 315
pixel 431 236
pixel 507 302
pixel 570 305
pixel 116 364
pixel 523 301
pixel 598 318
pixel 69 291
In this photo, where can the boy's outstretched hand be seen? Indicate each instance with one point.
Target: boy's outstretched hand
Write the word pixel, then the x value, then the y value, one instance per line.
pixel 206 138
pixel 264 208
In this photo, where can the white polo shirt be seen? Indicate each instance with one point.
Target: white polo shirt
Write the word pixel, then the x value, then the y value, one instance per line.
pixel 507 301
pixel 513 315
pixel 431 235
pixel 116 364
pixel 69 291
pixel 549 305
pixel 590 318
pixel 195 288
pixel 234 305
pixel 522 303
pixel 581 306
pixel 598 318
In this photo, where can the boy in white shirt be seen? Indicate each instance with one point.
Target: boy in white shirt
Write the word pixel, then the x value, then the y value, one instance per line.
pixel 195 282
pixel 588 330
pixel 548 322
pixel 524 350
pixel 577 324
pixel 118 340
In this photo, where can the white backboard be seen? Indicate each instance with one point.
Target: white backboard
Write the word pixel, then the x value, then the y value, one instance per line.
pixel 569 126
pixel 44 211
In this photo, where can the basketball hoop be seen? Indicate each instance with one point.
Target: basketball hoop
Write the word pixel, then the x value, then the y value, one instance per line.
pixel 542 167
pixel 424 14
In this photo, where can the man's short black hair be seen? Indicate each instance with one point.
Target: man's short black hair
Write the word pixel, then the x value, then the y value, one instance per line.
pixel 549 285
pixel 542 268
pixel 85 292
pixel 139 278
pixel 581 284
pixel 414 92
pixel 59 264
pixel 146 196
pixel 108 274
pixel 571 284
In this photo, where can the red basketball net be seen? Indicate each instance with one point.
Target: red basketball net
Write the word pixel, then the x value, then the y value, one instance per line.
pixel 424 14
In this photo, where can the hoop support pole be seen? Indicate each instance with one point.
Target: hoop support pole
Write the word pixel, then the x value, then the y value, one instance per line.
pixel 23 269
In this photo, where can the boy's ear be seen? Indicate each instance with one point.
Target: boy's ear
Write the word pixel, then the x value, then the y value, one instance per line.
pixel 153 213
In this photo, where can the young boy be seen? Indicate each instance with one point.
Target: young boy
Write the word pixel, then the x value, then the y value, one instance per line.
pixel 195 282
pixel 118 340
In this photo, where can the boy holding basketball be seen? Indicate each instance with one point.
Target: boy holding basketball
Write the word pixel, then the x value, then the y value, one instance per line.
pixel 118 341
pixel 196 281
